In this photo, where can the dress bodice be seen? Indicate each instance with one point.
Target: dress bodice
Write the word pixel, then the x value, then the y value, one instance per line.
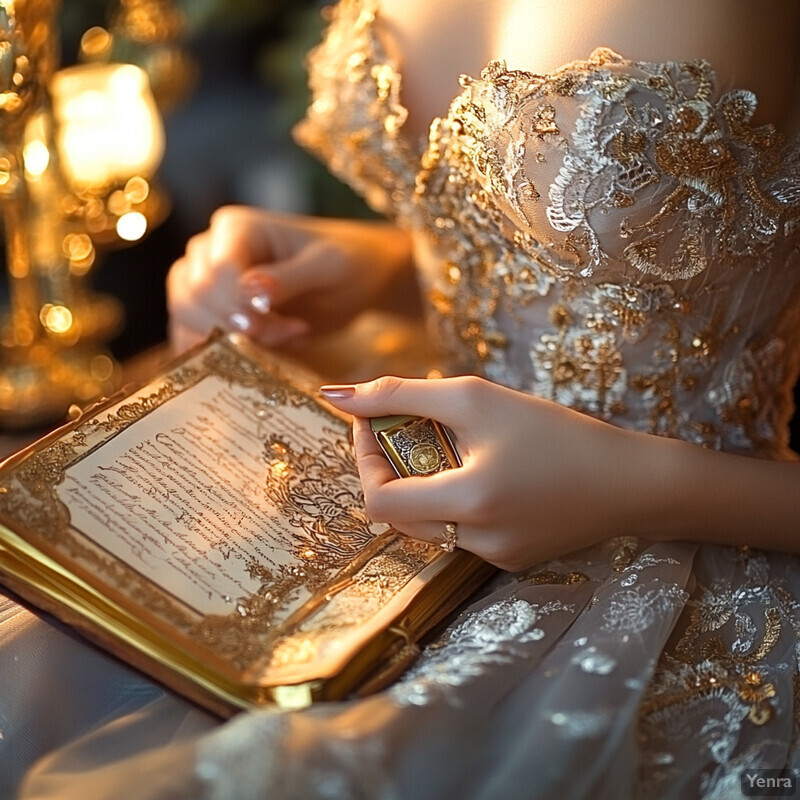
pixel 616 235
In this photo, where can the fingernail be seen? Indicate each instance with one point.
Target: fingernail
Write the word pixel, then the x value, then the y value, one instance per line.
pixel 338 391
pixel 256 291
pixel 240 321
pixel 261 303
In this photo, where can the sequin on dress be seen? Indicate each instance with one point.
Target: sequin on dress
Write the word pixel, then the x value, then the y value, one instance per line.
pixel 618 237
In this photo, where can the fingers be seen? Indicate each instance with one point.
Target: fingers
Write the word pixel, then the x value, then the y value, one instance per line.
pixel 473 496
pixel 433 532
pixel 200 301
pixel 197 297
pixel 204 286
pixel 316 266
pixel 452 401
pixel 198 279
pixel 374 467
pixel 410 505
pixel 272 330
pixel 242 235
pixel 209 272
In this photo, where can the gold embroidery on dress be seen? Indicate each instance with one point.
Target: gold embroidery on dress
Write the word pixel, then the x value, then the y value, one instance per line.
pixel 701 664
pixel 549 576
pixel 600 189
pixel 624 550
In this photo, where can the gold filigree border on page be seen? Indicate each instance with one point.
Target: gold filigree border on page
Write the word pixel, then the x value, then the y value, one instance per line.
pixel 319 495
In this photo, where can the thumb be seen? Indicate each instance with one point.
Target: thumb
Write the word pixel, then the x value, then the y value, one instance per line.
pixel 310 268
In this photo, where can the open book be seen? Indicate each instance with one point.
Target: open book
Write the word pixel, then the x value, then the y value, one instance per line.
pixel 209 529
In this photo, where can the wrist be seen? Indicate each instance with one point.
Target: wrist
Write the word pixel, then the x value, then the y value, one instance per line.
pixel 671 497
pixel 714 497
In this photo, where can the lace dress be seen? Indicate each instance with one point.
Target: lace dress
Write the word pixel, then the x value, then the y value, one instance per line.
pixel 615 236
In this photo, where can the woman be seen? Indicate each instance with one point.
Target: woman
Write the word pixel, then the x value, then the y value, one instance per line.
pixel 275 277
pixel 613 244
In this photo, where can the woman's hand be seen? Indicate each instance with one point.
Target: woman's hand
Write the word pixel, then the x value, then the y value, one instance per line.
pixel 538 480
pixel 277 277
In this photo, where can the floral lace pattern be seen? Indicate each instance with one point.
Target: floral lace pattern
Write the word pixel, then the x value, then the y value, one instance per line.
pixel 616 235
pixel 619 237
pixel 730 670
pixel 492 636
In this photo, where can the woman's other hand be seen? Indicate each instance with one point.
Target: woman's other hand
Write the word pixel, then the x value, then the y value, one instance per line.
pixel 277 277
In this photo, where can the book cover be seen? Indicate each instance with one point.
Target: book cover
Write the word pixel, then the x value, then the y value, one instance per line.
pixel 208 528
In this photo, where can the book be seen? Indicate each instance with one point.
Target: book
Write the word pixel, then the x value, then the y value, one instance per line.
pixel 209 529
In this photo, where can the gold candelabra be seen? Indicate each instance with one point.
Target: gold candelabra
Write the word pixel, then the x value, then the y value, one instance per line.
pixel 79 148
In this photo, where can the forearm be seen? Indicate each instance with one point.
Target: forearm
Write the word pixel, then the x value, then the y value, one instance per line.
pixel 708 496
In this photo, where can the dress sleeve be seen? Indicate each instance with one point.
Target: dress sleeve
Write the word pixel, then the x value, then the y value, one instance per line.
pixel 355 118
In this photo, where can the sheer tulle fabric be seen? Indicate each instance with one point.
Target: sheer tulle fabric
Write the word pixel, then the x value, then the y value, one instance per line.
pixel 548 685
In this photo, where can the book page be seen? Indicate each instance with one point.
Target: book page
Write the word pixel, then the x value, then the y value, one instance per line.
pixel 222 484
pixel 180 496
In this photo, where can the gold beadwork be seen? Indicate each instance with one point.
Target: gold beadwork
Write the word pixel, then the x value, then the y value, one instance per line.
pixel 630 196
